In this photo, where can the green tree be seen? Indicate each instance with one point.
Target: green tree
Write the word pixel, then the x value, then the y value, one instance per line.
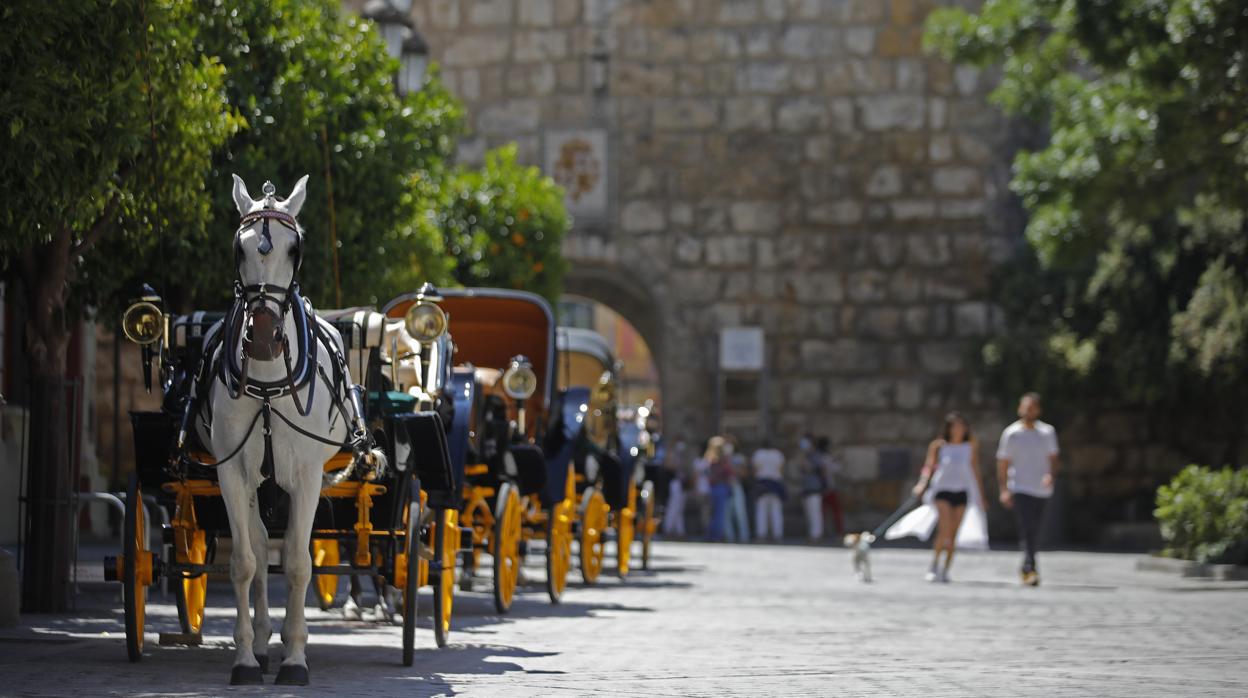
pixel 1133 284
pixel 108 117
pixel 504 225
pixel 317 89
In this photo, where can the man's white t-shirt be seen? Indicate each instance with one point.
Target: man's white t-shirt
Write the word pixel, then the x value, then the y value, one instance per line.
pixel 1028 451
pixel 768 464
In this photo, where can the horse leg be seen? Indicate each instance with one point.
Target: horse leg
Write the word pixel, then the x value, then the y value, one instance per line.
pixel 239 500
pixel 261 624
pixel 298 561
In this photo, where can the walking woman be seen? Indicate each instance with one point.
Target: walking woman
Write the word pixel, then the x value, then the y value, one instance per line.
pixel 953 498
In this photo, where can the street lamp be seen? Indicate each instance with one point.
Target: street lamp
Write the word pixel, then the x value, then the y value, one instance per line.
pixel 391 21
pixel 413 63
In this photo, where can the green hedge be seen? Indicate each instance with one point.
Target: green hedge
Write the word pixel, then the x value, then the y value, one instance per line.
pixel 1203 514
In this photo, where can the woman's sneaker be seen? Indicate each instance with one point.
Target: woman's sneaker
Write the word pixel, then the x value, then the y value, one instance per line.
pixel 932 575
pixel 943 577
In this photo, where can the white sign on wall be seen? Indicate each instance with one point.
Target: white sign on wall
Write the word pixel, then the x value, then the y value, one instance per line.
pixel 741 349
pixel 577 160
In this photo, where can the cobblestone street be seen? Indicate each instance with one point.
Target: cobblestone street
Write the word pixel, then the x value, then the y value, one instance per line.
pixel 713 620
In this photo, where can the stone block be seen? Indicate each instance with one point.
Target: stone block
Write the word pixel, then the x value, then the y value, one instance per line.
pixel 489 13
pixel 929 250
pixel 444 14
pixel 728 251
pixel 885 181
pixel 867 286
pixel 911 75
pixel 840 355
pixel 860 40
pixel 688 250
pixel 685 114
pixel 764 78
pixel 942 357
pixel 805 393
pixel 904 12
pixel 896 42
pixel 962 208
pixel 475 50
pixel 802 41
pixel 642 217
pixel 739 12
pixel 940 148
pixel 889 250
pixel 540 45
pixel 956 181
pixel 937 113
pixel 817 287
pixel 567 11
pixel 536 13
pixel 889 112
pixel 681 214
pixel 802 114
pixel 859 393
pixel 510 117
pixel 758 42
pixel 882 322
pixel 755 216
pixel 845 212
pixel 966 79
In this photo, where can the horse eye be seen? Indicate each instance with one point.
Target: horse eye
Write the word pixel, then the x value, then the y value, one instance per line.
pixel 294 251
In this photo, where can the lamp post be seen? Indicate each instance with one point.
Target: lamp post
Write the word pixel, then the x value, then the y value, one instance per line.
pixel 403 42
pixel 413 63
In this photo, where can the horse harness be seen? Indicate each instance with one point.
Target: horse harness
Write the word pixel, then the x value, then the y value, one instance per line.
pixel 255 322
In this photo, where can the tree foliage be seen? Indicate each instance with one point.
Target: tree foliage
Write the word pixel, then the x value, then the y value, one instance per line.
pixel 315 83
pixel 504 225
pixel 1133 286
pixel 108 118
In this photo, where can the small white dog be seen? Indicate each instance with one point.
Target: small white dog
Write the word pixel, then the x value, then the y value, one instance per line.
pixel 860 545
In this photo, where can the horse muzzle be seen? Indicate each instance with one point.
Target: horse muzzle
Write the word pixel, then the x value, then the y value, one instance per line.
pixel 263 339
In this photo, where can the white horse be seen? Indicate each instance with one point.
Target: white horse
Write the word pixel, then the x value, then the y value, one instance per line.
pixel 280 399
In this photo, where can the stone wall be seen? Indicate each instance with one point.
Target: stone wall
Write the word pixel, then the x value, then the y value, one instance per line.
pixel 797 165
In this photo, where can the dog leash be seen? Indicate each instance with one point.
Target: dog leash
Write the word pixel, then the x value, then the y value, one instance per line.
pixel 902 510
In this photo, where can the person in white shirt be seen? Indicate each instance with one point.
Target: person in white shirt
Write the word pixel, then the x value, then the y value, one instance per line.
pixel 1027 463
pixel 768 465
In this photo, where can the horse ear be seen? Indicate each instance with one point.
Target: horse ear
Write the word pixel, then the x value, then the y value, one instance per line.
pixel 241 198
pixel 294 202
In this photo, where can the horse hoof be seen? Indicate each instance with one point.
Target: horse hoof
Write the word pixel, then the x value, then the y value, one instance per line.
pixel 243 675
pixel 292 675
pixel 264 662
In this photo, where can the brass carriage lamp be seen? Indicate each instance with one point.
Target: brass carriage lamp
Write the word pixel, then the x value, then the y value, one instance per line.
pixel 403 42
pixel 520 382
pixel 145 324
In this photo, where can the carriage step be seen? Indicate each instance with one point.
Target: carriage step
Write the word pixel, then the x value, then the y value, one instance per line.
pixel 186 639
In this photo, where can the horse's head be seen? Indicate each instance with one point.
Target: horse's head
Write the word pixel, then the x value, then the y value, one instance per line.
pixel 268 250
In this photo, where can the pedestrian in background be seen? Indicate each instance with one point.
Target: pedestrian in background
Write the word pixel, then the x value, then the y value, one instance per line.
pixel 1027 464
pixel 738 513
pixel 720 477
pixel 831 469
pixel 676 463
pixel 810 478
pixel 768 468
pixel 701 490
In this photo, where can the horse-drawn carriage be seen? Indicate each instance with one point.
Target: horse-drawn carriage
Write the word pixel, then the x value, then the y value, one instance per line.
pixel 588 377
pixel 242 449
pixel 508 438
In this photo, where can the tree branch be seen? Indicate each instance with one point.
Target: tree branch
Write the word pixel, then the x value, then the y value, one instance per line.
pixel 98 228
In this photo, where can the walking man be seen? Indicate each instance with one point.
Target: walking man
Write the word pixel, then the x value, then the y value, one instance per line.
pixel 1027 463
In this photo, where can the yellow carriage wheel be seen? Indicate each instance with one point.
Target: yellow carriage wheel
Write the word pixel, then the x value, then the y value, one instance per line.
pixel 192 593
pixel 326 553
pixel 476 515
pixel 624 531
pixel 507 533
pixel 594 513
pixel 648 523
pixel 136 569
pixel 445 549
pixel 558 548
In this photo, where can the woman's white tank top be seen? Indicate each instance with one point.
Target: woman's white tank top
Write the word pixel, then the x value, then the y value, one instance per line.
pixel 953 469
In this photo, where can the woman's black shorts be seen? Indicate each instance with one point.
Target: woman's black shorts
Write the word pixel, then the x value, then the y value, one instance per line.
pixel 955 499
